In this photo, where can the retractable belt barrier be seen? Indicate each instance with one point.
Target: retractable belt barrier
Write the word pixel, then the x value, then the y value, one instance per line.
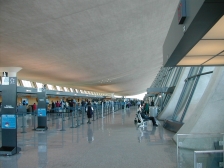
pixel 76 114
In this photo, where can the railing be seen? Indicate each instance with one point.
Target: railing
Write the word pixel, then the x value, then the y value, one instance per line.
pixel 210 159
pixel 77 114
pixel 193 146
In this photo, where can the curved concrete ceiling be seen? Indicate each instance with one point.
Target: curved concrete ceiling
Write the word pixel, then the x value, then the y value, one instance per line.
pixel 112 46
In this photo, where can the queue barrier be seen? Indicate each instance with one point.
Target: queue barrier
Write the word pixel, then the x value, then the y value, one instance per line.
pixel 72 113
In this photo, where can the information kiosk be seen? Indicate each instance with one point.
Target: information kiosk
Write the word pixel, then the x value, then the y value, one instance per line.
pixel 41 109
pixel 9 117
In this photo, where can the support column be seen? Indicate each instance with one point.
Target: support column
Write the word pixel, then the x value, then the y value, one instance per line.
pixel 9 117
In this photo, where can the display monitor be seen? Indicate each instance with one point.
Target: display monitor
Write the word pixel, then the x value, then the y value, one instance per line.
pixel 41 112
pixel 8 121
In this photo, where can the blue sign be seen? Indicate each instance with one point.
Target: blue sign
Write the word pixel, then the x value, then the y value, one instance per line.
pixel 41 112
pixel 8 121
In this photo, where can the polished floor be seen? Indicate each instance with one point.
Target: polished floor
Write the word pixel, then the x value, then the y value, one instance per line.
pixel 110 142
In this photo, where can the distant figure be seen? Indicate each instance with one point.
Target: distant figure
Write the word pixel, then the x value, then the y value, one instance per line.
pixel 66 106
pixel 71 105
pixel 57 104
pixel 152 103
pixel 89 110
pixel 83 103
pixel 142 102
pixel 62 104
pixel 34 107
pixel 52 107
pixel 74 101
pixel 138 103
pixel 146 108
pixel 128 104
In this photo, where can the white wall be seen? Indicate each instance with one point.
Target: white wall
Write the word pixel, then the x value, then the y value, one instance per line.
pixel 208 116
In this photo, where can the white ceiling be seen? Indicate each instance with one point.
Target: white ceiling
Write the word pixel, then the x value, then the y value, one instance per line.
pixel 112 46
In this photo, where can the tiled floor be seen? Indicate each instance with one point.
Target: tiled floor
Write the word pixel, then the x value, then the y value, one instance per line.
pixel 111 142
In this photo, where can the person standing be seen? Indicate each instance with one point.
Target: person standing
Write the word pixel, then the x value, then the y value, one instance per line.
pixel 152 103
pixel 138 103
pixel 52 106
pixel 57 104
pixel 34 107
pixel 146 108
pixel 71 105
pixel 89 110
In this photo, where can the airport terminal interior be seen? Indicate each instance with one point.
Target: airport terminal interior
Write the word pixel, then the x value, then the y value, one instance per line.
pixel 69 70
pixel 112 141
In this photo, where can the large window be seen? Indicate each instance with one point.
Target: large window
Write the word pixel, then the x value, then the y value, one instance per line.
pixel 71 90
pixel 26 83
pixel 39 85
pixel 18 83
pixel 66 89
pixel 50 87
pixel 59 88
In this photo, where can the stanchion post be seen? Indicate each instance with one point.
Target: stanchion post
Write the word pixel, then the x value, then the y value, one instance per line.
pixel 48 113
pixel 97 111
pixel 69 113
pixel 102 111
pixel 63 116
pixel 23 123
pixel 62 129
pixel 77 119
pixel 34 120
pixel 83 110
pixel 57 110
pixel 72 120
pixel 74 109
